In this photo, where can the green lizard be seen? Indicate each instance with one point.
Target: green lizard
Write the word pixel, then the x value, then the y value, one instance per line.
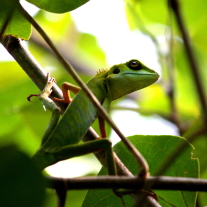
pixel 60 140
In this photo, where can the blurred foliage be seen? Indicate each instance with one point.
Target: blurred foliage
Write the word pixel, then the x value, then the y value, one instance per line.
pixel 23 123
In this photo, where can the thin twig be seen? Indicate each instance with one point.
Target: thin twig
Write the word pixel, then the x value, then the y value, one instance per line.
pixel 171 82
pixel 191 58
pixel 66 52
pixel 137 155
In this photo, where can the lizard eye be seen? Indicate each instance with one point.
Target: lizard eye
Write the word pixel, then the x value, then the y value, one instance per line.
pixel 134 65
pixel 116 71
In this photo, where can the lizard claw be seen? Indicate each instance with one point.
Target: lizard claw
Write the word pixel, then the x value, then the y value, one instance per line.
pixel 50 79
pixel 30 96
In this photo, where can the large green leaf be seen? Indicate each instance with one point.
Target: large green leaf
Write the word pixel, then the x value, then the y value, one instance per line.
pixel 58 6
pixel 21 182
pixel 18 25
pixel 156 149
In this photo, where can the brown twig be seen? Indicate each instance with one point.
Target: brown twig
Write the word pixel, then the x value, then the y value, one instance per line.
pixel 171 85
pixel 67 54
pixel 175 6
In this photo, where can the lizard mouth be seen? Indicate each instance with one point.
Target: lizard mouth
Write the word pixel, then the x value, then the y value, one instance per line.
pixel 155 74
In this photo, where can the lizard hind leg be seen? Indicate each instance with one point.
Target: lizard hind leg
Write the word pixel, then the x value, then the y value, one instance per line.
pixel 102 127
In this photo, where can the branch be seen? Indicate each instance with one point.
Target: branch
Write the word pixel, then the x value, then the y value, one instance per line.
pixel 28 63
pixel 108 182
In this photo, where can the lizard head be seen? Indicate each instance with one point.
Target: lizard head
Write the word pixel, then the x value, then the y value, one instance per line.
pixel 128 77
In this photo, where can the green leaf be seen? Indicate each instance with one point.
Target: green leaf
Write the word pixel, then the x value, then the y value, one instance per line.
pixel 155 149
pixel 56 6
pixel 18 25
pixel 21 182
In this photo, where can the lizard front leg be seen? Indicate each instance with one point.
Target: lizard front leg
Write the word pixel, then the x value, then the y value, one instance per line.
pixel 66 88
pixel 49 104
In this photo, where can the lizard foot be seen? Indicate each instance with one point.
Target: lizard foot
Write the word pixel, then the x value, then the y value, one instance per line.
pixel 47 89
